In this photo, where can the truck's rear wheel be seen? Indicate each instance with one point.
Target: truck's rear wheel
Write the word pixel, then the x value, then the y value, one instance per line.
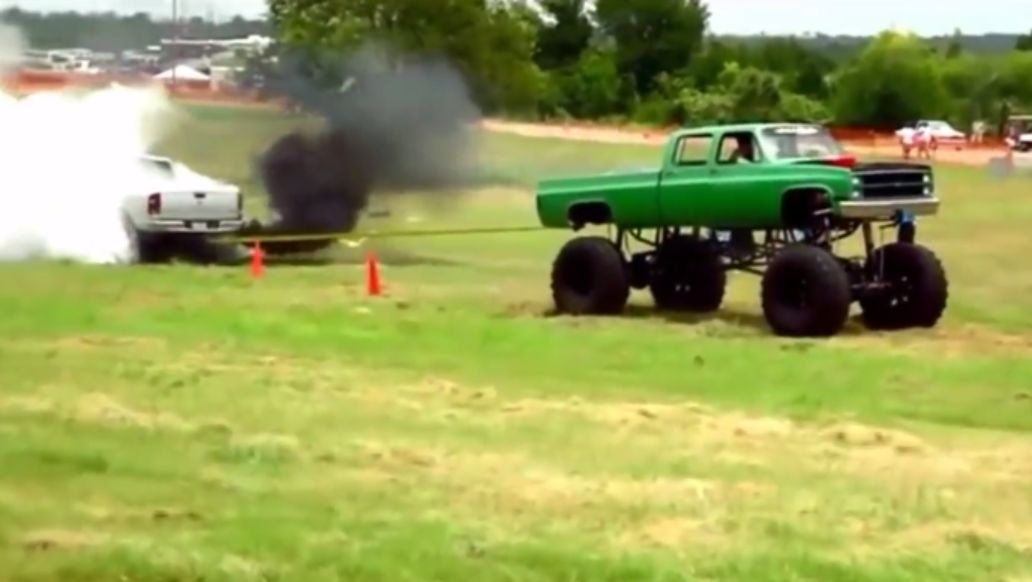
pixel 154 248
pixel 201 250
pixel 916 292
pixel 806 293
pixel 144 247
pixel 688 276
pixel 589 277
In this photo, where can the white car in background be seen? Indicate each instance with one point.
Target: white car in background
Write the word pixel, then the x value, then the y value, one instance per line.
pixel 942 131
pixel 176 210
pixel 1019 133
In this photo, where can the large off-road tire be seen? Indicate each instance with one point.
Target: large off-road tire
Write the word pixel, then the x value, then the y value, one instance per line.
pixel 688 276
pixel 589 277
pixel 918 288
pixel 805 293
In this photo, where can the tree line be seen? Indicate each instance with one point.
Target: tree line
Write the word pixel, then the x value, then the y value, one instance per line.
pixel 648 61
pixel 655 61
pixel 111 32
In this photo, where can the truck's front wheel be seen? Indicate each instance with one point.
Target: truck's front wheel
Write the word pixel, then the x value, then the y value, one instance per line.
pixel 806 293
pixel 915 292
pixel 688 276
pixel 589 277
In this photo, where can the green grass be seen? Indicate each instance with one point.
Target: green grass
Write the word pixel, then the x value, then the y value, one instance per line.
pixel 185 423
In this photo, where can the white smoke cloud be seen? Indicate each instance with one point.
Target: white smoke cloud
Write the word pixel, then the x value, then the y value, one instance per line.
pixel 67 163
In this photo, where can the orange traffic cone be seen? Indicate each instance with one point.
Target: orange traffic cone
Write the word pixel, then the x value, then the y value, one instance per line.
pixel 372 275
pixel 257 261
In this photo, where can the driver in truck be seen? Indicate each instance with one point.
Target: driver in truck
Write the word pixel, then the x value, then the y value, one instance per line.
pixel 745 153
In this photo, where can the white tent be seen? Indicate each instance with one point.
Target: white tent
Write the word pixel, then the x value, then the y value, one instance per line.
pixel 182 73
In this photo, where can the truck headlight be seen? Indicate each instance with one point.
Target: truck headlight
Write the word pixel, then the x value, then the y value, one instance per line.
pixel 856 187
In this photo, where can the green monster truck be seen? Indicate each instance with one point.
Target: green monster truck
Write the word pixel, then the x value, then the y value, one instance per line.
pixel 771 199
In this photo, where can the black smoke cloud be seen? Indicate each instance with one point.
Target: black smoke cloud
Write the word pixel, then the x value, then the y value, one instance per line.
pixel 391 124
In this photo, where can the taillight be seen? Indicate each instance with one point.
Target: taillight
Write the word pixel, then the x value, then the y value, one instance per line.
pixel 154 204
pixel 843 161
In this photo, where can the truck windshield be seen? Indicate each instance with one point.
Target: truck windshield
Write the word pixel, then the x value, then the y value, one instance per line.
pixel 799 141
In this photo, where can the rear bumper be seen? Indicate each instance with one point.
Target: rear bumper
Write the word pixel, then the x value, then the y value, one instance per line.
pixel 888 209
pixel 192 226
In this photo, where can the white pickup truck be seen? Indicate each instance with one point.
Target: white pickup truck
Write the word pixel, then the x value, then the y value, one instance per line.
pixel 175 211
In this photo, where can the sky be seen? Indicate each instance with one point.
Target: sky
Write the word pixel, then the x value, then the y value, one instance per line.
pixel 925 17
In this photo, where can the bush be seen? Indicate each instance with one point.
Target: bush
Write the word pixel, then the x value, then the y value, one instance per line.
pixel 591 88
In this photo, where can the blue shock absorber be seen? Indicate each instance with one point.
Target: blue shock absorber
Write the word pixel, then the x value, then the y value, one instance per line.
pixel 906 227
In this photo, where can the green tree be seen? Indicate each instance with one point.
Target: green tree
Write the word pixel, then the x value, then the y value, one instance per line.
pixel 561 42
pixel 1024 42
pixel 803 70
pixel 591 88
pixel 897 78
pixel 653 36
pixel 706 67
pixel 755 93
pixel 956 46
pixel 1016 78
pixel 489 43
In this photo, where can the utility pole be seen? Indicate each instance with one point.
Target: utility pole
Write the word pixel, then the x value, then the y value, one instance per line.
pixel 175 41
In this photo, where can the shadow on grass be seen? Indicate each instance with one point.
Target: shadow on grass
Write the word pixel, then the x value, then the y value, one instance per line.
pixel 747 323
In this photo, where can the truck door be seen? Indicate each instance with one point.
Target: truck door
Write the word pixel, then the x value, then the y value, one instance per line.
pixel 743 192
pixel 684 181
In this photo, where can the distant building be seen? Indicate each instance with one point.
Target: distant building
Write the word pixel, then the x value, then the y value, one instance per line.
pixel 175 50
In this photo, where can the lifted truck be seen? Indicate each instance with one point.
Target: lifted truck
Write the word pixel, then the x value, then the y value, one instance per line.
pixel 770 199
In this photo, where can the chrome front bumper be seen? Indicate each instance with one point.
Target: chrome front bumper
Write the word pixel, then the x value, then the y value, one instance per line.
pixel 887 209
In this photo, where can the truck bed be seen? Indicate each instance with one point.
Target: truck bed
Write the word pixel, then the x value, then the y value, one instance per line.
pixel 631 195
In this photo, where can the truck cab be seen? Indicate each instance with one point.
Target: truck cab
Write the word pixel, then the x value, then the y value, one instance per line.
pixel 739 176
pixel 756 176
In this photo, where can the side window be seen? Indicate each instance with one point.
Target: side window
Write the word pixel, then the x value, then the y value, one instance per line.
pixel 693 150
pixel 738 148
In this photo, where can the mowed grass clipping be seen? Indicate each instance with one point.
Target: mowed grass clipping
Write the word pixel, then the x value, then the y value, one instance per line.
pixel 186 423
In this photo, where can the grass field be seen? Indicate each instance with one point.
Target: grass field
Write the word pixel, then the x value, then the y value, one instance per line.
pixel 189 423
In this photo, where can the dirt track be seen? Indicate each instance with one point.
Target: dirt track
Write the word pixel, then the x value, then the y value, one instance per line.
pixel 972 157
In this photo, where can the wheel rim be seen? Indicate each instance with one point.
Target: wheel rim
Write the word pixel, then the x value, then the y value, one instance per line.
pixel 677 281
pixel 901 292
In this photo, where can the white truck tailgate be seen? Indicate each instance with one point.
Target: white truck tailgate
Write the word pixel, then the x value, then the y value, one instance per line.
pixel 200 204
